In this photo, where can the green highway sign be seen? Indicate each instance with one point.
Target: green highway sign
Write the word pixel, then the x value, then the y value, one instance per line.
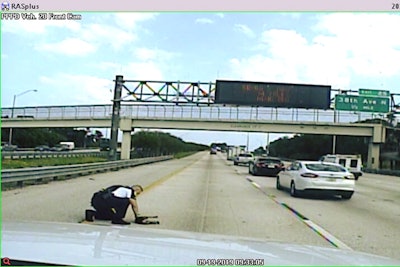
pixel 362 103
pixel 371 92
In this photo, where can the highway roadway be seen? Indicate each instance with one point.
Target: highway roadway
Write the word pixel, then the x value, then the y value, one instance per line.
pixel 207 193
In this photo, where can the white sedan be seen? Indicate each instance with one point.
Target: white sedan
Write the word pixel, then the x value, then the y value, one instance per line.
pixel 316 177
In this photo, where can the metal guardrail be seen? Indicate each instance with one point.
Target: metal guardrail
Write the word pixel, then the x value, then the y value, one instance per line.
pixel 54 172
pixel 47 154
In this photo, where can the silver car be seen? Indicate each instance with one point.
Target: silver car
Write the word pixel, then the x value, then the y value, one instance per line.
pixel 243 158
pixel 316 177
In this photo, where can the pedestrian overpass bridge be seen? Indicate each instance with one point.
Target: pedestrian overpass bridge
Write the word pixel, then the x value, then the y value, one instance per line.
pixel 201 117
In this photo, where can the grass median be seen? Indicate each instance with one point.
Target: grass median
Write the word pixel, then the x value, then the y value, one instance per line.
pixel 26 163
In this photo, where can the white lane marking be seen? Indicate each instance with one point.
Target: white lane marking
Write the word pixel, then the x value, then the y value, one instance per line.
pixel 316 228
pixel 332 239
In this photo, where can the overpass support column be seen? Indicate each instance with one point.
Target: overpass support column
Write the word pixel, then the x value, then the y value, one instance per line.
pixel 126 145
pixel 378 137
pixel 373 156
pixel 126 128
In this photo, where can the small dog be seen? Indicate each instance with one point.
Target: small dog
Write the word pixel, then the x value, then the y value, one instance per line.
pixel 145 220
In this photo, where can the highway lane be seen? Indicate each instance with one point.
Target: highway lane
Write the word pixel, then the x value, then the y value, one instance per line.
pixel 211 197
pixel 206 193
pixel 369 221
pixel 66 200
pixel 200 193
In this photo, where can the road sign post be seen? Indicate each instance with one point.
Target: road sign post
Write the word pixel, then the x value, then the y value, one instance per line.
pixel 119 79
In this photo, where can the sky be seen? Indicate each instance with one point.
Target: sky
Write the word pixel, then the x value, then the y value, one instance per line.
pixel 74 62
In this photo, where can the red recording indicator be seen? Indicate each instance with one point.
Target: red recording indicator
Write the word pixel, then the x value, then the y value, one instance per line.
pixel 6 261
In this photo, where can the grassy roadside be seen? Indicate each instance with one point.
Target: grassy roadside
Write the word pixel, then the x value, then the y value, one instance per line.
pixel 184 154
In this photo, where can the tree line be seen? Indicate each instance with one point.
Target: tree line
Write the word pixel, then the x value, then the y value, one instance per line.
pixel 32 137
pixel 313 146
pixel 143 142
pixel 148 143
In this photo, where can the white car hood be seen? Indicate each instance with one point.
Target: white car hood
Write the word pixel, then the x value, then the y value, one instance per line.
pixel 83 244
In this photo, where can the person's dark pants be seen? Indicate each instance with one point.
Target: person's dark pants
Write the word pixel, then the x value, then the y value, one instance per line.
pixel 110 208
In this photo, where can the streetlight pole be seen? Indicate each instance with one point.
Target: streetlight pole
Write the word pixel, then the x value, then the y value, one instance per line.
pixel 12 112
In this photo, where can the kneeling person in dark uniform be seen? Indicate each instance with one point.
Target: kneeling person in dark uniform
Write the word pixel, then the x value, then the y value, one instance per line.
pixel 113 202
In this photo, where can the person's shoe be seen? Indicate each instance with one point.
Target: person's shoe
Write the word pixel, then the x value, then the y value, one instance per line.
pixel 120 222
pixel 89 215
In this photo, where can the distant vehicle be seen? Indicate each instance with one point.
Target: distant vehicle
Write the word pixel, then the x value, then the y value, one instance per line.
pixel 6 147
pixel 29 243
pixel 243 158
pixel 59 148
pixel 351 162
pixel 316 177
pixel 233 151
pixel 265 166
pixel 69 145
pixel 42 148
pixel 213 151
pixel 104 144
pixel 25 117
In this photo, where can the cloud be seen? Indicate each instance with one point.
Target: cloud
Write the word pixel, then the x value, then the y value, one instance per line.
pixel 108 66
pixel 121 35
pixel 220 15
pixel 95 34
pixel 69 47
pixel 282 58
pixel 204 21
pixel 286 45
pixel 143 71
pixel 342 45
pixel 131 20
pixel 245 30
pixel 146 54
pixel 105 34
pixel 371 46
pixel 146 64
pixel 79 89
pixel 263 69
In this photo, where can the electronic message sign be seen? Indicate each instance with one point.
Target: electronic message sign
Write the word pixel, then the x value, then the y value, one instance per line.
pixel 284 95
